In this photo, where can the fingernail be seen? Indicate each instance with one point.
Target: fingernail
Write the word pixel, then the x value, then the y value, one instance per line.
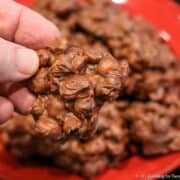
pixel 27 61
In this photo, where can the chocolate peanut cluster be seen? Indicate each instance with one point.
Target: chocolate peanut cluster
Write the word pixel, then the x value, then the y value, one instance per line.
pixel 127 37
pixel 62 13
pixel 71 86
pixel 151 85
pixel 88 158
pixel 107 148
pixel 153 126
pixel 153 66
pixel 105 26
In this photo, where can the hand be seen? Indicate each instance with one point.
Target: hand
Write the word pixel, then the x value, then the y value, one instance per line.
pixel 20 30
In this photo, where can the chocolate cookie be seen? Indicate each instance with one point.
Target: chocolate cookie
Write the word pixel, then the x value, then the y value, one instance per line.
pixel 88 158
pixel 74 82
pixel 70 87
pixel 154 126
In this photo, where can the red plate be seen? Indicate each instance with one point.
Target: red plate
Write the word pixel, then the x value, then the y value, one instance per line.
pixel 165 15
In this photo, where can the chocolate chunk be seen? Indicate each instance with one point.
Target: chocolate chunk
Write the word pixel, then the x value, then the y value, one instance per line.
pixel 68 94
pixel 153 126
pixel 88 158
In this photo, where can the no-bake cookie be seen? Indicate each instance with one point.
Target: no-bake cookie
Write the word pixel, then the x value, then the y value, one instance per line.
pixel 154 126
pixel 74 81
pixel 70 87
pixel 88 158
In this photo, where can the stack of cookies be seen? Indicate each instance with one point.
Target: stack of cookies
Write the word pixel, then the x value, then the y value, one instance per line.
pixel 105 54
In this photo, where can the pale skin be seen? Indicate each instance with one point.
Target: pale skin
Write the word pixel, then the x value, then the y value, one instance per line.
pixel 21 32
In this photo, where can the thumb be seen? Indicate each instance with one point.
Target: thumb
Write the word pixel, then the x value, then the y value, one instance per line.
pixel 16 62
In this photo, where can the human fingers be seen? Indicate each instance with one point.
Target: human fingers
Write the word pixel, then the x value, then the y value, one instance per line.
pixel 16 62
pixel 19 96
pixel 6 109
pixel 24 26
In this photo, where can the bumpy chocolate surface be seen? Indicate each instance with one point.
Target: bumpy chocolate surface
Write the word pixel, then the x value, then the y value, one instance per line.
pixel 153 66
pixel 63 13
pixel 154 126
pixel 107 148
pixel 88 158
pixel 71 85
pixel 151 85
pixel 148 107
pixel 130 39
pixel 125 36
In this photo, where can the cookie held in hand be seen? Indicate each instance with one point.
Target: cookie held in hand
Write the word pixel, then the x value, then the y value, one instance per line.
pixel 70 86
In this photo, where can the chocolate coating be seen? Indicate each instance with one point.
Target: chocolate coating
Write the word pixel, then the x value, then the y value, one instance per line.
pixel 154 126
pixel 73 83
pixel 153 66
pixel 130 37
pixel 88 158
pixel 70 87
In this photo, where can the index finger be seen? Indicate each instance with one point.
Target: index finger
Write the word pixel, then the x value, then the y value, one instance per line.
pixel 24 26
